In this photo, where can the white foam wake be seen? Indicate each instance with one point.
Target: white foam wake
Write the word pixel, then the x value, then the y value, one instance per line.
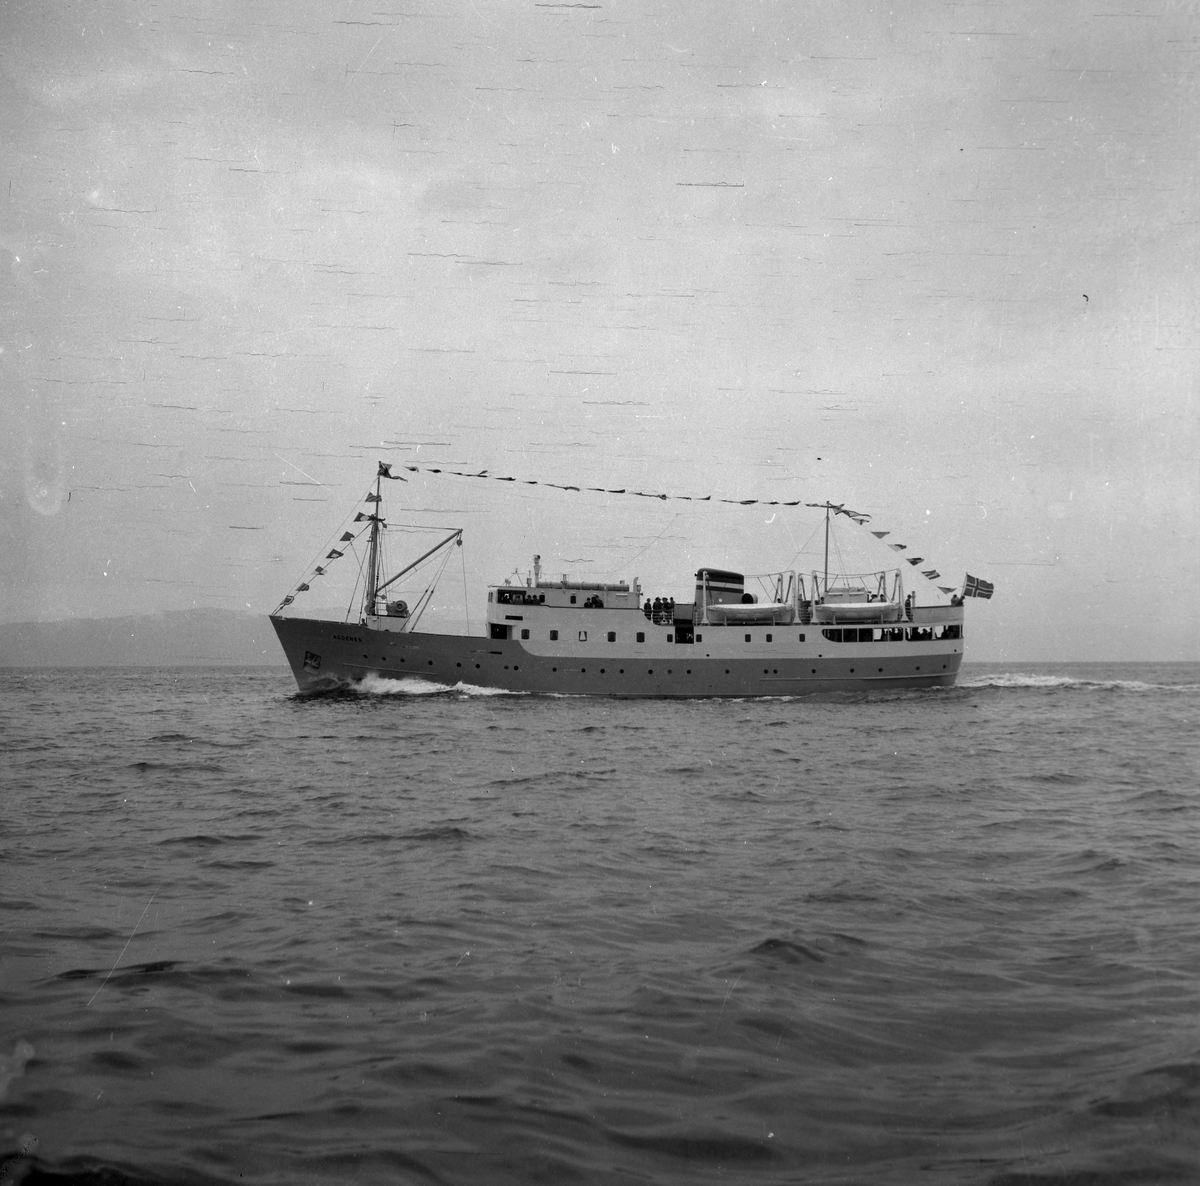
pixel 381 685
pixel 1016 679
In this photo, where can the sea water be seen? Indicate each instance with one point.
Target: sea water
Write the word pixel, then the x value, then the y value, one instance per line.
pixel 417 934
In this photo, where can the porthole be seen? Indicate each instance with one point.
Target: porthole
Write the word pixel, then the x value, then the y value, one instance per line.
pixel 851 670
pixel 881 669
pixel 689 671
pixel 516 667
pixel 457 664
pixel 430 662
pixel 621 671
pixel 726 670
pixel 553 668
pixel 476 666
pixel 651 671
pixel 601 670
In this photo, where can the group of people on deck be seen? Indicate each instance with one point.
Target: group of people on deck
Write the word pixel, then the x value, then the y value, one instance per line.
pixel 661 610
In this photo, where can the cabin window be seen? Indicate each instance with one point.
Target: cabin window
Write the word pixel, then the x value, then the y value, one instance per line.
pixel 554 636
pixel 833 635
pixel 524 633
pixel 747 638
pixel 572 598
pixel 491 595
pixel 699 637
pixel 583 636
pixel 500 631
pixel 670 638
pixel 768 638
pixel 802 638
pixel 612 636
pixel 641 636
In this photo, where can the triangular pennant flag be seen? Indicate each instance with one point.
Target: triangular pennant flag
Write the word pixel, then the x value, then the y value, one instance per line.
pixel 385 471
pixel 334 555
pixel 946 588
pixel 347 537
pixel 318 572
pixel 301 588
pixel 287 601
pixel 931 573
pixel 914 559
pixel 897 547
pixel 880 534
pixel 372 498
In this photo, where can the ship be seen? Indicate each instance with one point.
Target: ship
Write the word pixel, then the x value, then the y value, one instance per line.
pixel 801 634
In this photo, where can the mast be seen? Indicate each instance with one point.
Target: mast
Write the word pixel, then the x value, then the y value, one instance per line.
pixel 826 547
pixel 373 560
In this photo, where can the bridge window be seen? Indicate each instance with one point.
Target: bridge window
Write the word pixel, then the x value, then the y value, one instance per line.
pixel 641 636
pixel 583 636
pixel 747 638
pixel 554 636
pixel 612 636
pixel 524 633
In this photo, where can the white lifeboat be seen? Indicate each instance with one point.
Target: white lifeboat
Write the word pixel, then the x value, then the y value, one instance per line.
pixel 767 613
pixel 855 605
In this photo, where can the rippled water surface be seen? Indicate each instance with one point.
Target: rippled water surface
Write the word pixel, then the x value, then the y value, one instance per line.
pixel 430 935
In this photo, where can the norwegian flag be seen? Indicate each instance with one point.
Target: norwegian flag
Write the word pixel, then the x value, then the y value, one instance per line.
pixel 975 587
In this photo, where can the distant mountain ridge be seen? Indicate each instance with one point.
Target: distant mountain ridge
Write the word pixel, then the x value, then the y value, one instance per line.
pixel 176 638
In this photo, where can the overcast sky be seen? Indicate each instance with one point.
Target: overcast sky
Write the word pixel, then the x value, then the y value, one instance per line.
pixel 937 261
